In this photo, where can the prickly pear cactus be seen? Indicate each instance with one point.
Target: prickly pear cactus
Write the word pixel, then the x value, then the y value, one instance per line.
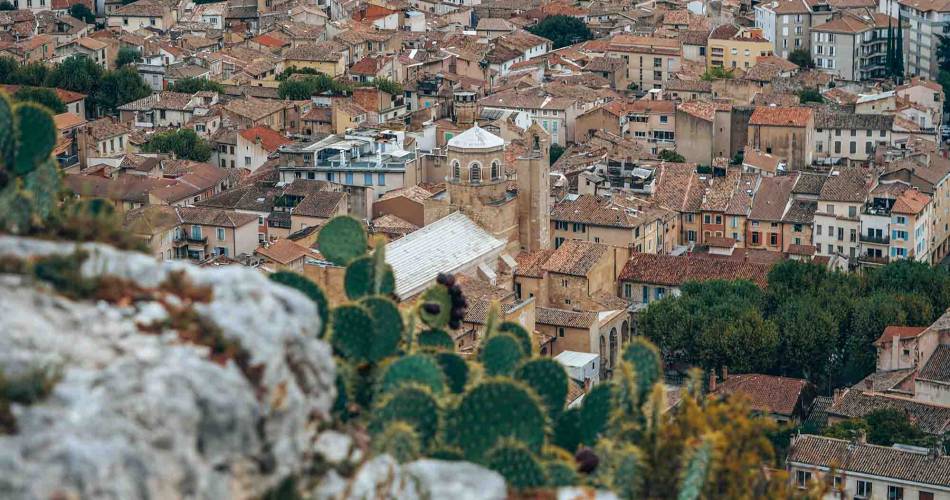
pixel 647 365
pixel 595 412
pixel 517 331
pixel 501 354
pixel 517 464
pixel 342 240
pixel 435 339
pixel 455 369
pixel 419 369
pixel 548 378
pixel 492 410
pixel 696 469
pixel 567 429
pixel 400 440
pixel 29 177
pixel 412 404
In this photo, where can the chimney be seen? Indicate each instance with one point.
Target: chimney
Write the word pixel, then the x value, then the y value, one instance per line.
pixel 861 437
pixel 725 373
pixel 838 395
pixel 712 381
pixel 587 382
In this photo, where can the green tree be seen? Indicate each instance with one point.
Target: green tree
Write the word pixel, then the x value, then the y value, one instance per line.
pixel 34 74
pixel 81 12
pixel 76 73
pixel 298 89
pixel 808 334
pixel 8 69
pixel 718 73
pixel 184 143
pixel 883 427
pixel 810 95
pixel 388 86
pixel 562 30
pixel 119 87
pixel 192 85
pixel 127 56
pixel 42 96
pixel 671 156
pixel 554 152
pixel 801 58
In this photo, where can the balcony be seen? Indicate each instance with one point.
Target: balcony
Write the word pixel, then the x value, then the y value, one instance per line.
pixel 877 240
pixel 872 260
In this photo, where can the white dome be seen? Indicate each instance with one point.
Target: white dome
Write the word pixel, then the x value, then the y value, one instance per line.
pixel 476 138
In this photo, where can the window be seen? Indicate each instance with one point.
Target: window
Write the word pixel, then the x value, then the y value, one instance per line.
pixel 900 219
pixel 852 211
pixel 830 209
pixel 802 478
pixel 579 228
pixel 247 161
pixel 853 147
pixel 854 235
pixel 349 177
pixel 381 180
pixel 558 242
pixel 660 292
pixel 690 235
pixel 773 239
pixel 456 170
pixel 260 220
pixel 755 238
pixel 560 331
pixel 689 218
pixel 798 228
pixel 494 170
pixel 707 219
pixel 220 234
pixel 475 172
pixel 563 283
pixel 195 232
pixel 895 493
pixel 818 227
pixel 840 234
pixel 664 119
pixel 718 219
pixel 646 295
pixel 628 290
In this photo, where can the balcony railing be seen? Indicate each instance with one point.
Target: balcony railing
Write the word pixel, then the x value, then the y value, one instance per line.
pixel 873 260
pixel 879 240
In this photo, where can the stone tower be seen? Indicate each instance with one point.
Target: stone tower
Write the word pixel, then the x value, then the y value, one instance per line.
pixel 465 108
pixel 534 191
pixel 477 184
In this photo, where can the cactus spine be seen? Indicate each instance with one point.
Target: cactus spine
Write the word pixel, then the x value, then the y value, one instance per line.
pixel 501 354
pixel 517 464
pixel 412 404
pixel 416 368
pixel 492 410
pixel 548 378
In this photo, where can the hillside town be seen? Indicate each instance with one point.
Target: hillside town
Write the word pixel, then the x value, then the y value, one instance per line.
pixel 760 188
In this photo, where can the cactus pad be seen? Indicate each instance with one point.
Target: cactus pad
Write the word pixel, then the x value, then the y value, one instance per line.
pixel 416 368
pixel 548 378
pixel 517 464
pixel 501 354
pixel 435 317
pixel 595 412
pixel 517 331
pixel 560 473
pixel 387 326
pixel 353 333
pixel 435 339
pixel 308 288
pixel 493 410
pixel 567 429
pixel 342 240
pixel 411 404
pixel 35 136
pixel 647 366
pixel 400 440
pixel 359 279
pixel 455 369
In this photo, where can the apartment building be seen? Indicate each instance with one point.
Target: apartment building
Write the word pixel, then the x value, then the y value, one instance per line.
pixel 556 115
pixel 787 23
pixel 838 215
pixel 649 61
pixel 852 46
pixel 850 137
pixel 926 20
pixel 731 46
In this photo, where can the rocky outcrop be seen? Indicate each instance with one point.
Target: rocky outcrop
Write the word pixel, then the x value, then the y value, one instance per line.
pixel 140 410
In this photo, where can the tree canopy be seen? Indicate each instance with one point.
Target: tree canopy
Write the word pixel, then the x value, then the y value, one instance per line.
pixel 192 85
pixel 127 56
pixel 808 322
pixel 801 58
pixel 119 87
pixel 810 95
pixel 882 427
pixel 671 155
pixel 717 73
pixel 81 12
pixel 42 96
pixel 184 143
pixel 562 30
pixel 303 88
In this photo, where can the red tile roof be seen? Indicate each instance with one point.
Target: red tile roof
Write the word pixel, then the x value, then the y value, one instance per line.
pixel 781 116
pixel 904 332
pixel 670 270
pixel 269 139
pixel 766 393
pixel 910 201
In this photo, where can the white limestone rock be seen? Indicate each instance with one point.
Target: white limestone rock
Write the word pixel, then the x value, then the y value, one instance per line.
pixel 144 415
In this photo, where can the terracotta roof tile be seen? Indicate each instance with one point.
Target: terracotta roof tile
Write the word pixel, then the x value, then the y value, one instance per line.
pixel 269 139
pixel 669 270
pixel 781 116
pixel 575 257
pixel 766 393
pixel 283 251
